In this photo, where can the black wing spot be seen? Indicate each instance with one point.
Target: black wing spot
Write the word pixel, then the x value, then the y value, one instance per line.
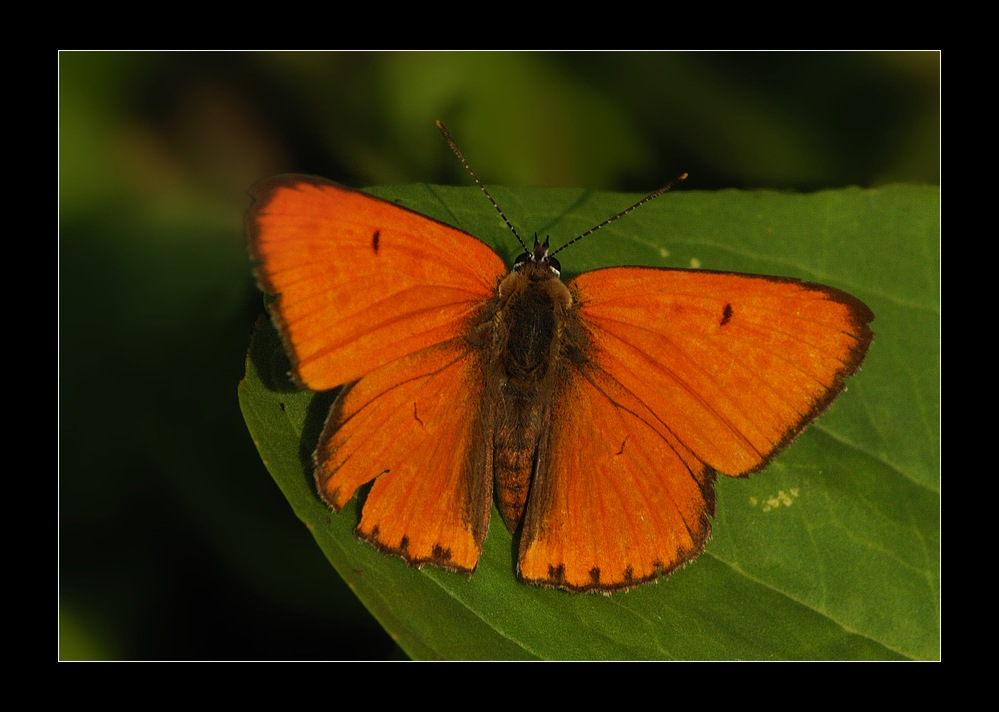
pixel 726 315
pixel 556 574
pixel 416 416
pixel 375 239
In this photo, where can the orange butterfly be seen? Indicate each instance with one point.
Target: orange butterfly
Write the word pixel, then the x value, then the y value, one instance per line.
pixel 596 412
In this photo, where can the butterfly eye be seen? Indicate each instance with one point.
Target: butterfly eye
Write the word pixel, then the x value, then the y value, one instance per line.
pixel 555 266
pixel 522 260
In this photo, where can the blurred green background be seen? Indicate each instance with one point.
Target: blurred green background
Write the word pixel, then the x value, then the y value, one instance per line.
pixel 174 542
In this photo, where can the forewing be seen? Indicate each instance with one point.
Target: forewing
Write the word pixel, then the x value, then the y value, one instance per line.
pixel 733 366
pixel 359 281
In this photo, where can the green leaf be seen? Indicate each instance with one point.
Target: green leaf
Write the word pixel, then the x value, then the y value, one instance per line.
pixel 831 553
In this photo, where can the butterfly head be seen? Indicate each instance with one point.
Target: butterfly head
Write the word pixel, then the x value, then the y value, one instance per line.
pixel 538 260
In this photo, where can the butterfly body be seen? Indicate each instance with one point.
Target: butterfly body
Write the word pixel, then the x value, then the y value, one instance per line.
pixel 529 331
pixel 595 412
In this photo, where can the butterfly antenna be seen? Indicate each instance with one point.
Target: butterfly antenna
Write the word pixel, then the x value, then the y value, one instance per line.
pixel 651 196
pixel 464 162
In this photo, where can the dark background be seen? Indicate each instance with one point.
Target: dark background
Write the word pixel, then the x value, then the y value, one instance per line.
pixel 174 543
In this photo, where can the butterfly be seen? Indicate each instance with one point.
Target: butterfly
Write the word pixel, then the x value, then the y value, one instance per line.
pixel 595 412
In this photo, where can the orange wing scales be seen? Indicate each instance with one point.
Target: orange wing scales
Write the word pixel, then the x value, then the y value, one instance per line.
pixel 315 245
pixel 620 502
pixel 733 389
pixel 402 427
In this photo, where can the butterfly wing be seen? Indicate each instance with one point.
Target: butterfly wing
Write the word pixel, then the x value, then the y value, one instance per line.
pixel 689 372
pixel 414 426
pixel 616 499
pixel 364 297
pixel 360 282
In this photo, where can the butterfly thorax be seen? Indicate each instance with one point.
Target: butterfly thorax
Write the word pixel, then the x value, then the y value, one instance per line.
pixel 533 327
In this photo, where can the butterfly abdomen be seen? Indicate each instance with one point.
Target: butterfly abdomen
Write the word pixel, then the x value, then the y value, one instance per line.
pixel 531 326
